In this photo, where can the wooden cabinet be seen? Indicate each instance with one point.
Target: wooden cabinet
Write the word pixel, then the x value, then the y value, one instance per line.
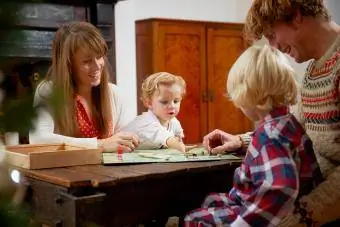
pixel 202 53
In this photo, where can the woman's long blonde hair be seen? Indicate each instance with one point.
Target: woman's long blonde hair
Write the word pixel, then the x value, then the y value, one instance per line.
pixel 69 38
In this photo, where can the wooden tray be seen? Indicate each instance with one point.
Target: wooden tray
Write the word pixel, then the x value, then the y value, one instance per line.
pixel 40 156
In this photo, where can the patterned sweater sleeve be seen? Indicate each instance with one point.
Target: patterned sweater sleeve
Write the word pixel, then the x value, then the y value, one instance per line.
pixel 321 205
pixel 246 139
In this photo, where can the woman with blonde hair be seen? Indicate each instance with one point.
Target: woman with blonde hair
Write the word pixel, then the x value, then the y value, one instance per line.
pixel 91 110
pixel 279 164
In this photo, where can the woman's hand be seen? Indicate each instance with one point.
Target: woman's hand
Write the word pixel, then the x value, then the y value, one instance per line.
pixel 127 140
pixel 219 142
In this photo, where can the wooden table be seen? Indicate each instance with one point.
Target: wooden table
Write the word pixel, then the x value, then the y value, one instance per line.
pixel 123 195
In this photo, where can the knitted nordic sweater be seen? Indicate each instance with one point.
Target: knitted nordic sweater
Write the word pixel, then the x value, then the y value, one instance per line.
pixel 320 113
pixel 320 96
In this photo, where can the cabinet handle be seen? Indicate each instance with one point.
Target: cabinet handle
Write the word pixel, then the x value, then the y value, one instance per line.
pixel 205 96
pixel 211 95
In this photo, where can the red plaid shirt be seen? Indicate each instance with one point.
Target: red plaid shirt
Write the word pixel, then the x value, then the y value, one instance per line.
pixel 279 166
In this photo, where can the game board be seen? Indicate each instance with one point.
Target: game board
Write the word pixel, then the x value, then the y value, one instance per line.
pixel 163 155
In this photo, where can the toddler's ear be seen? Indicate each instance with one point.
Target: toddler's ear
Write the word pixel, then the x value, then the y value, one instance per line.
pixel 148 103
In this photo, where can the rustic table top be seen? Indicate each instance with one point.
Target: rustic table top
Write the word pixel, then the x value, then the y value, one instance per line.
pixel 102 176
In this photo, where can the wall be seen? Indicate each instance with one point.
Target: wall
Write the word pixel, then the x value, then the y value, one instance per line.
pixel 334 6
pixel 211 10
pixel 126 54
pixel 128 11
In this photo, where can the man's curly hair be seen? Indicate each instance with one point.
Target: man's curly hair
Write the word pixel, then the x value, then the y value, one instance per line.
pixel 264 13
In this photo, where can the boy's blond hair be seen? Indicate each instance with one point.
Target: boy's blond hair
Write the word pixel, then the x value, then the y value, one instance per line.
pixel 152 82
pixel 262 78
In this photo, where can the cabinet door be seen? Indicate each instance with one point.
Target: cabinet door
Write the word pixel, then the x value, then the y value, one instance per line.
pixel 144 45
pixel 181 50
pixel 225 44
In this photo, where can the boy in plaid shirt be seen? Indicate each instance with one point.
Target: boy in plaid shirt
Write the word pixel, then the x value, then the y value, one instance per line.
pixel 279 165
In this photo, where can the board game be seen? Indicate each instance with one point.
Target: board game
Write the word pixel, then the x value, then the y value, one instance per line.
pixel 163 155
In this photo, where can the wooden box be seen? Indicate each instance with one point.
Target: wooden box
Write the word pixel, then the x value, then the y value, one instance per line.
pixel 40 156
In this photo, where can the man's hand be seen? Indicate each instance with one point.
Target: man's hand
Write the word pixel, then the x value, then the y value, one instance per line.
pixel 219 142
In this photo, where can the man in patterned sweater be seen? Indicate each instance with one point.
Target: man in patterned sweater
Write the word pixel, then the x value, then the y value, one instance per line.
pixel 304 30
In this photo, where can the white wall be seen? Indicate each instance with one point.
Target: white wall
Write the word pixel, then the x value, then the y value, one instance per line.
pixel 128 11
pixel 126 54
pixel 334 7
pixel 208 10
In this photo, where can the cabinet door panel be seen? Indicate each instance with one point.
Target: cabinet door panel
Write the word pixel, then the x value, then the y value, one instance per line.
pixel 224 47
pixel 143 58
pixel 181 50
